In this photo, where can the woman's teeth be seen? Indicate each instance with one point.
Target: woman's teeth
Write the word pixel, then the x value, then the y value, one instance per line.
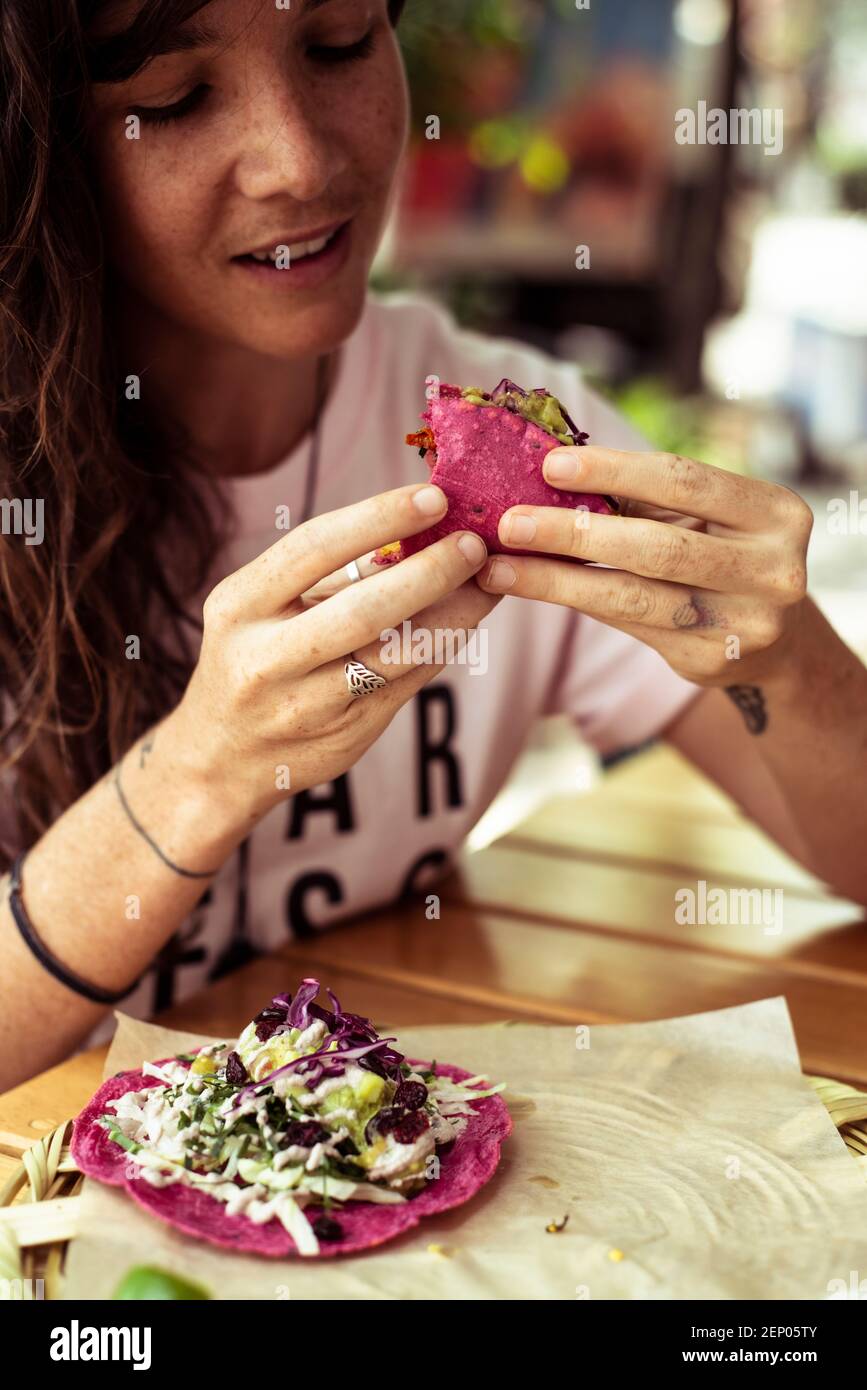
pixel 295 252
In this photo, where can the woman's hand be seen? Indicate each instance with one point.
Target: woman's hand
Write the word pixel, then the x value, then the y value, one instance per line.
pixel 707 567
pixel 268 710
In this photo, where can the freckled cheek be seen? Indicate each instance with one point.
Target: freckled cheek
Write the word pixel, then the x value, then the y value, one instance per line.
pixel 379 130
pixel 154 208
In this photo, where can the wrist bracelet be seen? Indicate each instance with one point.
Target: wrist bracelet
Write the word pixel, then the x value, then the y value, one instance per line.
pixel 140 830
pixel 44 956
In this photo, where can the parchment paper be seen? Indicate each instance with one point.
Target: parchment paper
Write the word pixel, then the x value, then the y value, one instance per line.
pixel 691 1156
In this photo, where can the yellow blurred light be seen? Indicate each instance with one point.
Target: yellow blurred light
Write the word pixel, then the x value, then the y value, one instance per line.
pixel 545 165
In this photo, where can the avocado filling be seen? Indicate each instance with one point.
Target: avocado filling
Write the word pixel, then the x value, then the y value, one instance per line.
pixel 538 406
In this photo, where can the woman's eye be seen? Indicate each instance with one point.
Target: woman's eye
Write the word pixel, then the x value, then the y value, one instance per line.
pixel 161 115
pixel 322 53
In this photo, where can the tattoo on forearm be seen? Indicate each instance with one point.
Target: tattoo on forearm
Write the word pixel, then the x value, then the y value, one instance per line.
pixel 140 830
pixel 751 703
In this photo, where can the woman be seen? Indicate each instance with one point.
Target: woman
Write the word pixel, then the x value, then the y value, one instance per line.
pixel 170 398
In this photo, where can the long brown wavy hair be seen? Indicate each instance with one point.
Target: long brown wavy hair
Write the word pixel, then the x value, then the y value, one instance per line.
pixel 120 490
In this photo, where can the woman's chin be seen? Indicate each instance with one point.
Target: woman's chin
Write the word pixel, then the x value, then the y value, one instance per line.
pixel 304 331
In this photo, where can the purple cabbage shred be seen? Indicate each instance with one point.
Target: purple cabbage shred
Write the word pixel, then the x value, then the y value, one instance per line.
pixel 351 1038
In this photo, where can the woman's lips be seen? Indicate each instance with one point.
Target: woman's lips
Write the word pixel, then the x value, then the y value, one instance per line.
pixel 305 273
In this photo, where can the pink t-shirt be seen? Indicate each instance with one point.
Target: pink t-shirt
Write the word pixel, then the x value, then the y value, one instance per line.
pixel 399 815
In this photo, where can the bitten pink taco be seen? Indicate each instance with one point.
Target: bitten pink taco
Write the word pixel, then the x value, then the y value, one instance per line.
pixel 485 450
pixel 307 1135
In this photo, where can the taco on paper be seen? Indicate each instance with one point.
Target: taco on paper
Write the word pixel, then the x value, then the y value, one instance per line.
pixel 486 450
pixel 307 1135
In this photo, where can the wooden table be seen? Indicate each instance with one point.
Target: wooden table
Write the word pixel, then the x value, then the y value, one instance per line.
pixel 568 919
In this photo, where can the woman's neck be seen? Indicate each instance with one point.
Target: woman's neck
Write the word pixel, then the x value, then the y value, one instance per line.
pixel 242 413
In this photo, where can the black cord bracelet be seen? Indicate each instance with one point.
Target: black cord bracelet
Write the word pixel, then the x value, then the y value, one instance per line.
pixel 44 956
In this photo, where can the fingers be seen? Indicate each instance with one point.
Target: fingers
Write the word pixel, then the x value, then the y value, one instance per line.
pixel 433 638
pixel 339 579
pixel 410 657
pixel 653 549
pixel 667 480
pixel 355 616
pixel 268 585
pixel 613 596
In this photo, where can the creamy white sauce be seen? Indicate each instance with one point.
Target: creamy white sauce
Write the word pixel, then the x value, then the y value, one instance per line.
pixel 312 1037
pixel 296 1153
pixel 243 1196
pixel 317 1153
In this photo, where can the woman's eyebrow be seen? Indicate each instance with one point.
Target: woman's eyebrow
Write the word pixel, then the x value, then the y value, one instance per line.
pixel 197 33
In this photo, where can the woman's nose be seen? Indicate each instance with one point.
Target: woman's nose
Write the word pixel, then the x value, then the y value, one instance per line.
pixel 286 145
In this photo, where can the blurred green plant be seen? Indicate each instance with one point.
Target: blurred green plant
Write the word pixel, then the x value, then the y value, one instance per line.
pixel 442 42
pixel 672 424
pixel 480 21
pixel 496 143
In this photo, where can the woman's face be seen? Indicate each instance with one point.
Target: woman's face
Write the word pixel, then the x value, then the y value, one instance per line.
pixel 285 124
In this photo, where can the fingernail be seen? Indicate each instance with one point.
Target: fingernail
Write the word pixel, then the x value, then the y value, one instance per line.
pixel 560 467
pixel 500 576
pixel 429 501
pixel 520 529
pixel 472 548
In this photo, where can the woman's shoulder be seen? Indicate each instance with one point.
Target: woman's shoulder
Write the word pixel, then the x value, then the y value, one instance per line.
pixel 418 331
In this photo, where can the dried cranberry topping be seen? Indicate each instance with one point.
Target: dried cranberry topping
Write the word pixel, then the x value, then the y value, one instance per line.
pixel 382 1122
pixel 268 1021
pixel 303 1133
pixel 373 1063
pixel 414 1123
pixel 326 1228
pixel 405 1125
pixel 411 1095
pixel 236 1072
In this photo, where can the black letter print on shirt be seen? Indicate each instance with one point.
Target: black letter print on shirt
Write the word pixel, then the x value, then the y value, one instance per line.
pixel 337 800
pixel 240 949
pixel 433 749
pixel 179 950
pixel 427 869
pixel 297 921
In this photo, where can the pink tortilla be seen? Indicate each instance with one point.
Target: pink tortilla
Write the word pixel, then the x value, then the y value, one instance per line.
pixel 464 1169
pixel 487 460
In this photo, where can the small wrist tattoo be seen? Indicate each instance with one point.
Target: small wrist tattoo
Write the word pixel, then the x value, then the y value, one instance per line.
pixel 140 830
pixel 751 703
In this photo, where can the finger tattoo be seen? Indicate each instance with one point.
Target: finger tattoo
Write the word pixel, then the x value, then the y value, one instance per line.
pixel 694 613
